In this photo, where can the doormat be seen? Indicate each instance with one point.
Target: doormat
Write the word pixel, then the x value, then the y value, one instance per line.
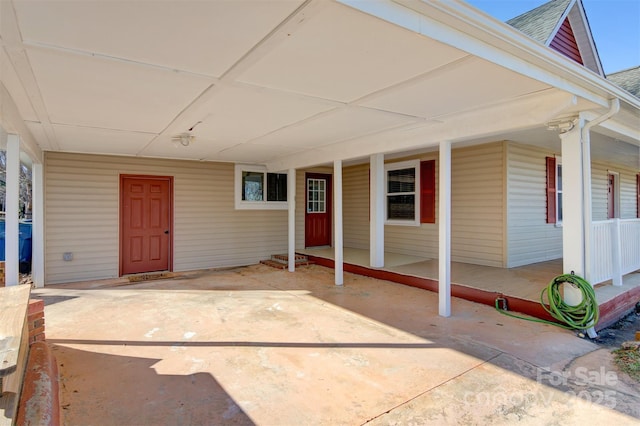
pixel 146 277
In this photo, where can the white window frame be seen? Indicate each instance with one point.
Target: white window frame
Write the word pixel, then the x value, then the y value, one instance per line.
pixel 415 164
pixel 559 192
pixel 616 193
pixel 254 205
pixel 324 202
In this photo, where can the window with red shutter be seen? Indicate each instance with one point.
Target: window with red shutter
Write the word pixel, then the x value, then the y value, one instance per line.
pixel 428 191
pixel 551 190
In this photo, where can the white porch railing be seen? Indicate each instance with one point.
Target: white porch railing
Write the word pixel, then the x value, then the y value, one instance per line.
pixel 615 249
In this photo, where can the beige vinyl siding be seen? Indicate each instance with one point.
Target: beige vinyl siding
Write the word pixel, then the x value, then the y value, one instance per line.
pixel 599 190
pixel 477 205
pixel 530 238
pixel 628 188
pixel 82 216
pixel 355 206
pixel 477 209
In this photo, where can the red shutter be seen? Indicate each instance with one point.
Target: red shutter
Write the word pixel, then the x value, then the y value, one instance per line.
pixel 638 195
pixel 428 191
pixel 551 190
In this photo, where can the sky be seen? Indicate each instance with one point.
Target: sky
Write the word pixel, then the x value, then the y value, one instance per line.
pixel 615 26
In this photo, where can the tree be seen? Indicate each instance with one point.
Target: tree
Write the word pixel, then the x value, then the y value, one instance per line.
pixel 25 186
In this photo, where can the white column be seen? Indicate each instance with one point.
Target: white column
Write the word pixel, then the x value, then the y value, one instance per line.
pixel 11 235
pixel 337 222
pixel 444 226
pixel 37 223
pixel 291 199
pixel 376 210
pixel 587 205
pixel 573 218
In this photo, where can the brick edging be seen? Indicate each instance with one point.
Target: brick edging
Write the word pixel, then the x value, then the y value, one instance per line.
pixel 40 397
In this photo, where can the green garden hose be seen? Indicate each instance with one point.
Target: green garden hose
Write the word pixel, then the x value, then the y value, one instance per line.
pixel 578 317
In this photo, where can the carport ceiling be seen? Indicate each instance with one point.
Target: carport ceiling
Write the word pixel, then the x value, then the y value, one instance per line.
pixel 254 80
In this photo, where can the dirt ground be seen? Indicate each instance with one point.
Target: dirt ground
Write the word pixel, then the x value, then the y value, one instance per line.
pixel 622 331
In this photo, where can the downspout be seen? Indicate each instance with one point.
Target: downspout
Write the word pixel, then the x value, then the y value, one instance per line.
pixel 614 108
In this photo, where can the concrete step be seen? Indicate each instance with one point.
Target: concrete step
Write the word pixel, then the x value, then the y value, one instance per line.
pixel 281 261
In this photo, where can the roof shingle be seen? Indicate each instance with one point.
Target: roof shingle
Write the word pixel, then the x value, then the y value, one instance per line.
pixel 628 80
pixel 540 22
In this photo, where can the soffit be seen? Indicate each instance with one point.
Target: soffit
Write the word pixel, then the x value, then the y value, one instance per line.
pixel 254 81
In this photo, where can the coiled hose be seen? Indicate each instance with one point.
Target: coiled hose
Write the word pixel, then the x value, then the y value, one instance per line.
pixel 578 317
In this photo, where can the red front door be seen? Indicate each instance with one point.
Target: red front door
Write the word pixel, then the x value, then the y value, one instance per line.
pixel 145 223
pixel 317 223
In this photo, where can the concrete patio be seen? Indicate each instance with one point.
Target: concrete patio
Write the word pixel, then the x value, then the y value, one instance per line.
pixel 262 346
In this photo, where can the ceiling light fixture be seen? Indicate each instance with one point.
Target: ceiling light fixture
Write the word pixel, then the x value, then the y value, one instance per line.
pixel 184 139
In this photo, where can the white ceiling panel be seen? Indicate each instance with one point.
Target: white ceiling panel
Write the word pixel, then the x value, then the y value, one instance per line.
pixel 199 149
pixel 253 153
pixel 238 114
pixel 86 91
pixel 103 141
pixel 342 124
pixel 14 87
pixel 342 54
pixel 38 133
pixel 198 36
pixel 466 85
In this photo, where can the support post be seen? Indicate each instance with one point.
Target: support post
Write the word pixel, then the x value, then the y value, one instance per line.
pixel 291 199
pixel 12 230
pixel 37 223
pixel 576 231
pixel 573 217
pixel 337 222
pixel 376 211
pixel 444 226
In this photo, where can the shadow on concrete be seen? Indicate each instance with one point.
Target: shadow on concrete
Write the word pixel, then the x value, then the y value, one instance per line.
pixel 540 354
pixel 246 344
pixel 52 300
pixel 129 391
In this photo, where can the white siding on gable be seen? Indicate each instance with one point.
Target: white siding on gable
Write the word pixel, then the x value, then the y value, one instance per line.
pixel 530 238
pixel 82 216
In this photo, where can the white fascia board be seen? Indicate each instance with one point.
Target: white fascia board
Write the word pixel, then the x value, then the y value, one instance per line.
pixel 613 124
pixel 460 25
pixel 526 112
pixel 592 45
pixel 564 16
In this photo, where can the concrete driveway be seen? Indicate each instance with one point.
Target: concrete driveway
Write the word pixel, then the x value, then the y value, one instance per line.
pixel 262 346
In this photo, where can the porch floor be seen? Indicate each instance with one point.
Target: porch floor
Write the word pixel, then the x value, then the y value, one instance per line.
pixel 524 282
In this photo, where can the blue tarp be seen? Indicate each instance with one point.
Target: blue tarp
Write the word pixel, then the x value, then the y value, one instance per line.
pixel 24 239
